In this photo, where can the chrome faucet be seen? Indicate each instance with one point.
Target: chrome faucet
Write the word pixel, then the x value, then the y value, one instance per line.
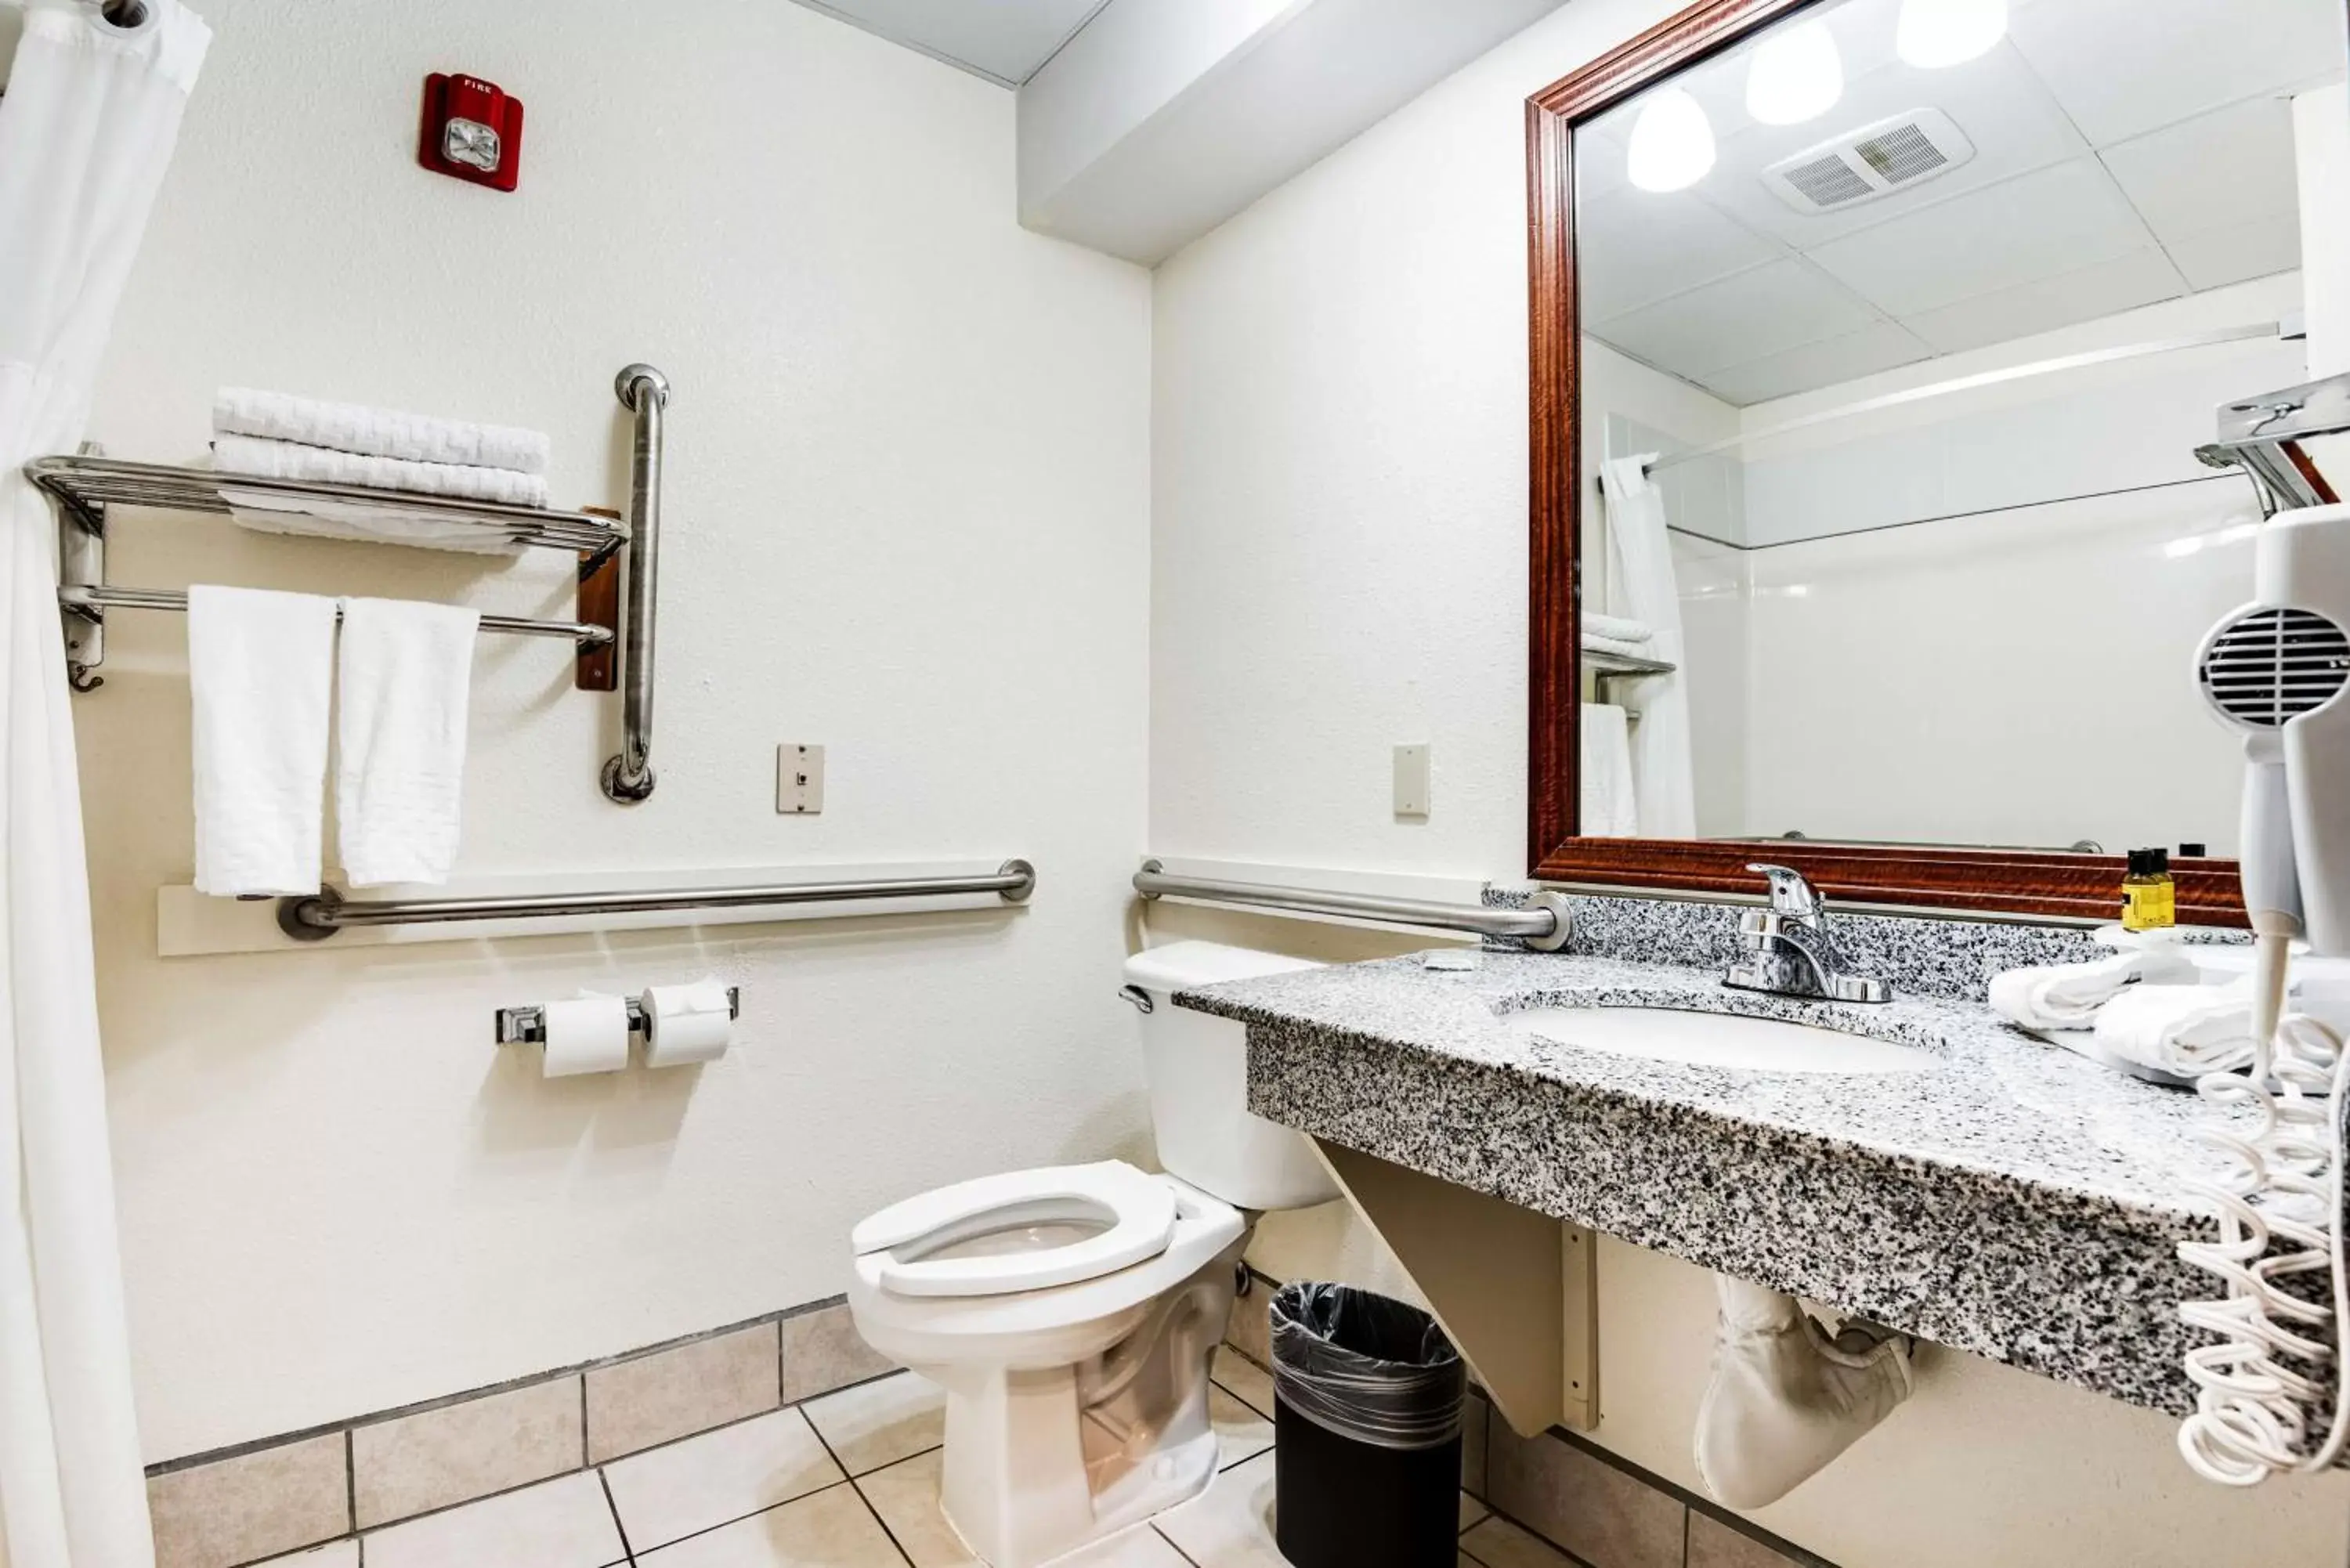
pixel 1789 950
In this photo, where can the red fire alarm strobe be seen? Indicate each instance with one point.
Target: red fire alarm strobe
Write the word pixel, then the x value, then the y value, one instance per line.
pixel 472 131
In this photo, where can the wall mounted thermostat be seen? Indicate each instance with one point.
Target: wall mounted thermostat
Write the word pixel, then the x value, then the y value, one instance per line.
pixel 472 131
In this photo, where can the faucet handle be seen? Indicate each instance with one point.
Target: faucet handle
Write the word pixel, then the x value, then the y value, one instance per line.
pixel 1790 895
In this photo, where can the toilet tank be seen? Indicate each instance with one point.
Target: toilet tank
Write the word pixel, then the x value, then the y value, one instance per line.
pixel 1198 1069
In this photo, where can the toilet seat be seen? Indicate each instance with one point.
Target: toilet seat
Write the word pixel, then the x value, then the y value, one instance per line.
pixel 1138 1213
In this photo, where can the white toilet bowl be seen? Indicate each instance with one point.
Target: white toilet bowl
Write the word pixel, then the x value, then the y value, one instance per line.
pixel 1069 1312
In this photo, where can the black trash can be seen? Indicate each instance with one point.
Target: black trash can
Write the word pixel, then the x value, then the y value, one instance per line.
pixel 1367 1394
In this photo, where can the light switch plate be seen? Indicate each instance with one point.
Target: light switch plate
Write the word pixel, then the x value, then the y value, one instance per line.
pixel 1412 781
pixel 799 780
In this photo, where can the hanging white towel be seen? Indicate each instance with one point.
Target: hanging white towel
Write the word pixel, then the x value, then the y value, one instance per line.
pixel 1610 807
pixel 287 459
pixel 1641 586
pixel 378 432
pixel 1598 625
pixel 260 673
pixel 406 683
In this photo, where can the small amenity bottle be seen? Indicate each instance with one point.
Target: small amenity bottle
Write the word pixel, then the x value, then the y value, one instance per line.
pixel 2149 897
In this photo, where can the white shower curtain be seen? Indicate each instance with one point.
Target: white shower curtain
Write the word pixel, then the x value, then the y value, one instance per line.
pixel 87 126
pixel 1641 586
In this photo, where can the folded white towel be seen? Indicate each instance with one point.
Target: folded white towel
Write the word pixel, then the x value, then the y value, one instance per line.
pixel 406 674
pixel 2068 996
pixel 260 667
pixel 289 460
pixel 378 432
pixel 265 513
pixel 1610 803
pixel 1592 643
pixel 2183 1029
pixel 1616 627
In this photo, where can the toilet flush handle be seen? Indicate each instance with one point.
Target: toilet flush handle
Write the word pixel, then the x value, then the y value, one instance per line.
pixel 1136 995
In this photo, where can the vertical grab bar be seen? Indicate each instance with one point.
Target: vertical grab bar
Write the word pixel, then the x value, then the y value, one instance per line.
pixel 628 776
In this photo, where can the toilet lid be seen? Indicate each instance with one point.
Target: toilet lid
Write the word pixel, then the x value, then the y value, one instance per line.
pixel 1127 1218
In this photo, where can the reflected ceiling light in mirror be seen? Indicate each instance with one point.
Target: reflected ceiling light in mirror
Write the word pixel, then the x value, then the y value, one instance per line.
pixel 1936 32
pixel 1672 143
pixel 1796 75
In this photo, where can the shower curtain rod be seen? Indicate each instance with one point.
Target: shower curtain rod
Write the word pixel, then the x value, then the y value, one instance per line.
pixel 1982 379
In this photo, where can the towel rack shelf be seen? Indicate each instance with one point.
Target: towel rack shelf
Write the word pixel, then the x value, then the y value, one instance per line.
pixel 613 621
pixel 1609 664
pixel 88 485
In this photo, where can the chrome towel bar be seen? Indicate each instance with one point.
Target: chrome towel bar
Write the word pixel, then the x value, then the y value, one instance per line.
pixel 315 917
pixel 1543 924
pixel 77 598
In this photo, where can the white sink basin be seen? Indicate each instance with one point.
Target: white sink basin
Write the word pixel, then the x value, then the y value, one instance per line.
pixel 1719 1039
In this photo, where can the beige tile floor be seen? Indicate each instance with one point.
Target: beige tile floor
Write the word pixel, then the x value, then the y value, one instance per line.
pixel 851 1480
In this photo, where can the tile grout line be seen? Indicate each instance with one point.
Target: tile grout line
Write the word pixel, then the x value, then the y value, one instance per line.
pixel 826 1444
pixel 619 1527
pixel 1153 1527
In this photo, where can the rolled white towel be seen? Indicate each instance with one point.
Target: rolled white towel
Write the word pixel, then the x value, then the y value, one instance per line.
pixel 1592 643
pixel 2069 996
pixel 1616 627
pixel 290 460
pixel 2183 1029
pixel 377 433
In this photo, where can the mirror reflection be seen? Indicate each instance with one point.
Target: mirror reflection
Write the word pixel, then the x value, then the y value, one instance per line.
pixel 1901 324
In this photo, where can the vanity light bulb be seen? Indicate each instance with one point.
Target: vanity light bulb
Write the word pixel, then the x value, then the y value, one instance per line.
pixel 1936 32
pixel 1796 75
pixel 1672 143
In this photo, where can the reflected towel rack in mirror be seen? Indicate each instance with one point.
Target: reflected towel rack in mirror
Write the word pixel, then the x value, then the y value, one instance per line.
pixel 82 488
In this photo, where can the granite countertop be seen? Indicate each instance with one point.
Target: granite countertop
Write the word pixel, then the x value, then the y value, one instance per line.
pixel 2018 1201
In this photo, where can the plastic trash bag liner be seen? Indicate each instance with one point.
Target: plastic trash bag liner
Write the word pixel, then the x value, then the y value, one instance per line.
pixel 1363 1367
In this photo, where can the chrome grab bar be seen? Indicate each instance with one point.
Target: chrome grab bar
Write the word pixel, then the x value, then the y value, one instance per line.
pixel 1543 924
pixel 629 775
pixel 315 917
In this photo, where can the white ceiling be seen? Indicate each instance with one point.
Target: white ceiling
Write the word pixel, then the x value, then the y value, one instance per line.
pixel 1003 40
pixel 2127 151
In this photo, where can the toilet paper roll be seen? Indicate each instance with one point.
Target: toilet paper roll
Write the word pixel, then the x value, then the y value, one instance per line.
pixel 686 1023
pixel 587 1034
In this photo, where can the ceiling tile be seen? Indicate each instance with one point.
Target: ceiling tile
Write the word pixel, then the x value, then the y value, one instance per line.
pixel 2122 68
pixel 1748 316
pixel 2142 277
pixel 1881 346
pixel 1636 247
pixel 1996 100
pixel 2232 166
pixel 2056 221
pixel 2232 254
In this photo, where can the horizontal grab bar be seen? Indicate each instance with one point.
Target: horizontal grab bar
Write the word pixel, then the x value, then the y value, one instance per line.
pixel 315 917
pixel 1543 924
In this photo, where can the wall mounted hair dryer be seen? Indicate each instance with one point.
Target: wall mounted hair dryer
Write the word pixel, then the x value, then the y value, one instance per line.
pixel 2276 670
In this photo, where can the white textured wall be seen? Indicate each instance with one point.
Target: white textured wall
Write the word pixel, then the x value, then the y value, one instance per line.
pixel 907 515
pixel 1338 554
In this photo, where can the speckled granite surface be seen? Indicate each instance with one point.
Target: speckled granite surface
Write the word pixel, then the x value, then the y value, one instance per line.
pixel 2016 1202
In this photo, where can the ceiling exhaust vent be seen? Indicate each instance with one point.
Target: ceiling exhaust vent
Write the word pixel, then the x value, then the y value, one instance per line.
pixel 1875 160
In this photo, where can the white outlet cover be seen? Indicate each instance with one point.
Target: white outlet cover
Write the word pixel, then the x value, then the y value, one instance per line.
pixel 1411 792
pixel 799 780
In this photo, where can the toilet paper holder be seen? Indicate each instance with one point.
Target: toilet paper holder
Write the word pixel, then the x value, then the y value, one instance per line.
pixel 527 1025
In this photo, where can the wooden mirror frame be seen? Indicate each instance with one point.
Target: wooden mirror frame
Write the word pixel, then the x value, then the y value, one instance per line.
pixel 2019 882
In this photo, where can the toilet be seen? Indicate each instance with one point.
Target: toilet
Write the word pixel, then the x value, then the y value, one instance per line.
pixel 1069 1312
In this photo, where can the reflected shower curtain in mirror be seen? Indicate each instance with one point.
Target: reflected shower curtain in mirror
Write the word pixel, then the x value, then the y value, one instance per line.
pixel 86 126
pixel 1641 586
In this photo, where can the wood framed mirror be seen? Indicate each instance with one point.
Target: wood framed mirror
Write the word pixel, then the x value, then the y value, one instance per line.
pixel 1928 365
